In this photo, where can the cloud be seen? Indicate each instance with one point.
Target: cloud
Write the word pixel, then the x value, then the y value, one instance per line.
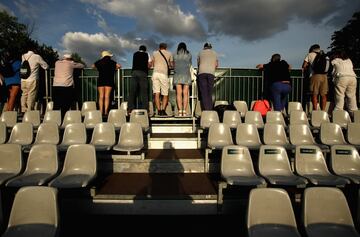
pixel 162 16
pixel 5 8
pixel 259 19
pixel 28 10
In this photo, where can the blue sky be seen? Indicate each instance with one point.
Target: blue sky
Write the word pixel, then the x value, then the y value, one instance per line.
pixel 243 32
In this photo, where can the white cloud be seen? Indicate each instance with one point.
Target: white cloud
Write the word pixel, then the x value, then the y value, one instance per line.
pixel 162 16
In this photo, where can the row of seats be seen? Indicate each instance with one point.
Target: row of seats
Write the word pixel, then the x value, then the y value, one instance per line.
pixel 103 136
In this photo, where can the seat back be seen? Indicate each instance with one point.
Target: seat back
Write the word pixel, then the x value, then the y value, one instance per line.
pixel 33 117
pixel 131 136
pixel 49 106
pixel 309 160
pixel 9 118
pixel 298 117
pixel 10 158
pixel 341 117
pixel 275 117
pixel 236 161
pixel 71 116
pixel 356 116
pixel 208 117
pixel 318 117
pixel 87 106
pixel 124 106
pixel 103 134
pixel 331 134
pixel 140 116
pixel 300 134
pixel 353 134
pixel 221 102
pixel 294 106
pixel 3 133
pixel 274 134
pixel 21 133
pixel 273 160
pixel 241 107
pixel 117 117
pixel 247 135
pixel 43 158
pixel 325 205
pixel 345 159
pixel 92 117
pixel 198 110
pixel 80 159
pixel 47 133
pixel 232 118
pixel 254 117
pixel 219 136
pixel 75 133
pixel 53 116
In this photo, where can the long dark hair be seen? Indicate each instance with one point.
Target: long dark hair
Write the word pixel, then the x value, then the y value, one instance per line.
pixel 182 48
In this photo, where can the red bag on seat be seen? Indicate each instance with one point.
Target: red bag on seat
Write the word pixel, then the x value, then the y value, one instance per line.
pixel 263 106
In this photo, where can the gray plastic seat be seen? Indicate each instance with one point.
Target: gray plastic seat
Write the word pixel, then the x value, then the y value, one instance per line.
pixel 10 161
pixel 47 133
pixel 42 165
pixel 298 117
pixel 21 133
pixel 117 117
pixel 254 117
pixel 274 134
pixel 341 117
pixel 198 109
pixel 232 118
pixel 92 118
pixel 356 116
pixel 274 165
pixel 300 134
pixel 310 163
pixel 275 117
pixel 331 134
pixel 3 133
pixel 353 133
pixel 241 107
pixel 103 136
pixel 79 167
pixel 151 109
pixel 74 133
pixel 345 161
pixel 49 106
pixel 237 167
pixel 140 116
pixel 33 117
pixel 169 111
pixel 248 135
pixel 221 102
pixel 88 106
pixel 219 136
pixel 130 138
pixel 318 117
pixel 34 212
pixel 53 116
pixel 326 213
pixel 71 116
pixel 208 117
pixel 294 106
pixel 270 213
pixel 9 118
pixel 124 106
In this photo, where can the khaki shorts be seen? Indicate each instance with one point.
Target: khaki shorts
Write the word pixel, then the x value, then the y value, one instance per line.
pixel 160 83
pixel 319 84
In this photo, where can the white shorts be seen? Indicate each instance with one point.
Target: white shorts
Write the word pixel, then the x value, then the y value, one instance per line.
pixel 160 83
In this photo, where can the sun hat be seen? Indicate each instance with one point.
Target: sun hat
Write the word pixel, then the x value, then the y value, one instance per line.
pixel 106 53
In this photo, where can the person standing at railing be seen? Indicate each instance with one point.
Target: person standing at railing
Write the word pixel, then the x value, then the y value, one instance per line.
pixel 63 84
pixel 207 63
pixel 105 84
pixel 13 82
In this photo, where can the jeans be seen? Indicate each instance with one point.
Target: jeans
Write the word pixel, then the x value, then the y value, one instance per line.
pixel 206 83
pixel 280 93
pixel 139 88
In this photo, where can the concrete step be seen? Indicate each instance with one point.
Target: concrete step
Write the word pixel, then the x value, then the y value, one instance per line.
pixel 172 141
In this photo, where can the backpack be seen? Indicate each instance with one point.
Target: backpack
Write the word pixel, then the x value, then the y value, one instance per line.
pixel 6 69
pixel 321 63
pixel 25 70
pixel 220 109
pixel 262 106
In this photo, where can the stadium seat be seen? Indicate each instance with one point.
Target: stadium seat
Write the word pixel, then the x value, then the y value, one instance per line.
pixel 9 118
pixel 75 133
pixel 248 135
pixel 198 109
pixel 103 136
pixel 275 117
pixel 91 118
pixel 294 106
pixel 341 117
pixel 151 109
pixel 353 134
pixel 298 117
pixel 232 118
pixel 331 134
pixel 10 161
pixel 42 165
pixel 220 102
pixel 3 133
pixel 274 134
pixel 53 116
pixel 21 133
pixel 254 117
pixel 345 161
pixel 140 116
pixel 124 106
pixel 34 212
pixel 49 106
pixel 71 116
pixel 79 167
pixel 300 134
pixel 87 106
pixel 310 163
pixel 117 117
pixel 318 117
pixel 270 213
pixel 47 133
pixel 275 167
pixel 241 107
pixel 208 117
pixel 33 117
pixel 130 138
pixel 356 116
pixel 326 213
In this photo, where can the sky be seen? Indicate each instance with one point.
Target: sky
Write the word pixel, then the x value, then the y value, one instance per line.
pixel 244 33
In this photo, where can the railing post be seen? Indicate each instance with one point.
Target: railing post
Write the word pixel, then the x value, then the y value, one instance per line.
pixel 46 87
pixel 118 88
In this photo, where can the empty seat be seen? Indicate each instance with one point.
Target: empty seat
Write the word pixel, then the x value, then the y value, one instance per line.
pixel 198 109
pixel 130 138
pixel 88 106
pixel 298 117
pixel 300 134
pixel 22 133
pixel 103 136
pixel 294 106
pixel 318 117
pixel 117 117
pixel 237 167
pixel 79 167
pixel 42 165
pixel 208 117
pixel 356 116
pixel 275 117
pixel 326 213
pixel 241 107
pixel 151 109
pixel 49 106
pixel 53 116
pixel 219 136
pixel 310 163
pixel 47 133
pixel 232 118
pixel 140 116
pixel 75 133
pixel 33 117
pixel 34 212
pixel 124 106
pixel 345 161
pixel 248 135
pixel 3 133
pixel 274 165
pixel 274 134
pixel 71 116
pixel 353 133
pixel 10 161
pixel 92 118
pixel 270 213
pixel 9 118
pixel 221 102
pixel 341 117
pixel 254 117
pixel 331 134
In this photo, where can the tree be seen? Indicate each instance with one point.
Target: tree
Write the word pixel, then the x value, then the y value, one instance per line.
pixel 348 39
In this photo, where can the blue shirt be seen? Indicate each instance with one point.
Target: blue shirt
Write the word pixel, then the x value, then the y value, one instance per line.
pixel 14 80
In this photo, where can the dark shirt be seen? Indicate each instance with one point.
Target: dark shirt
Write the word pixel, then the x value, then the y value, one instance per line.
pixel 277 71
pixel 140 61
pixel 106 67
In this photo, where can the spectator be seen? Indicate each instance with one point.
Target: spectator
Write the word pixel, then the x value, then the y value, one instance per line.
pixel 29 86
pixel 13 82
pixel 182 77
pixel 106 67
pixel 278 76
pixel 162 62
pixel 345 81
pixel 63 85
pixel 207 63
pixel 139 85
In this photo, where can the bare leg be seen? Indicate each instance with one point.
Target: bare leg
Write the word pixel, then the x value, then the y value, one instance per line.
pixel 108 90
pixel 323 102
pixel 101 91
pixel 157 101
pixel 14 90
pixel 165 100
pixel 314 99
pixel 179 97
pixel 185 97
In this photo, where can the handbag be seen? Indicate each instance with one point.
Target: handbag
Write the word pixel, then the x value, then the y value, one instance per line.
pixel 262 106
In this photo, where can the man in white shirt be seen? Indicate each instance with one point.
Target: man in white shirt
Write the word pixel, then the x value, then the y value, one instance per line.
pixel 29 86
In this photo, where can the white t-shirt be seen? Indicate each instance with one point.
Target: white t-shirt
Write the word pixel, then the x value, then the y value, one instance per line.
pixel 342 68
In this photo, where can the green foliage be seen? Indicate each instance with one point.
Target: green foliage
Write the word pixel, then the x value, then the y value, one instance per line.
pixel 77 58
